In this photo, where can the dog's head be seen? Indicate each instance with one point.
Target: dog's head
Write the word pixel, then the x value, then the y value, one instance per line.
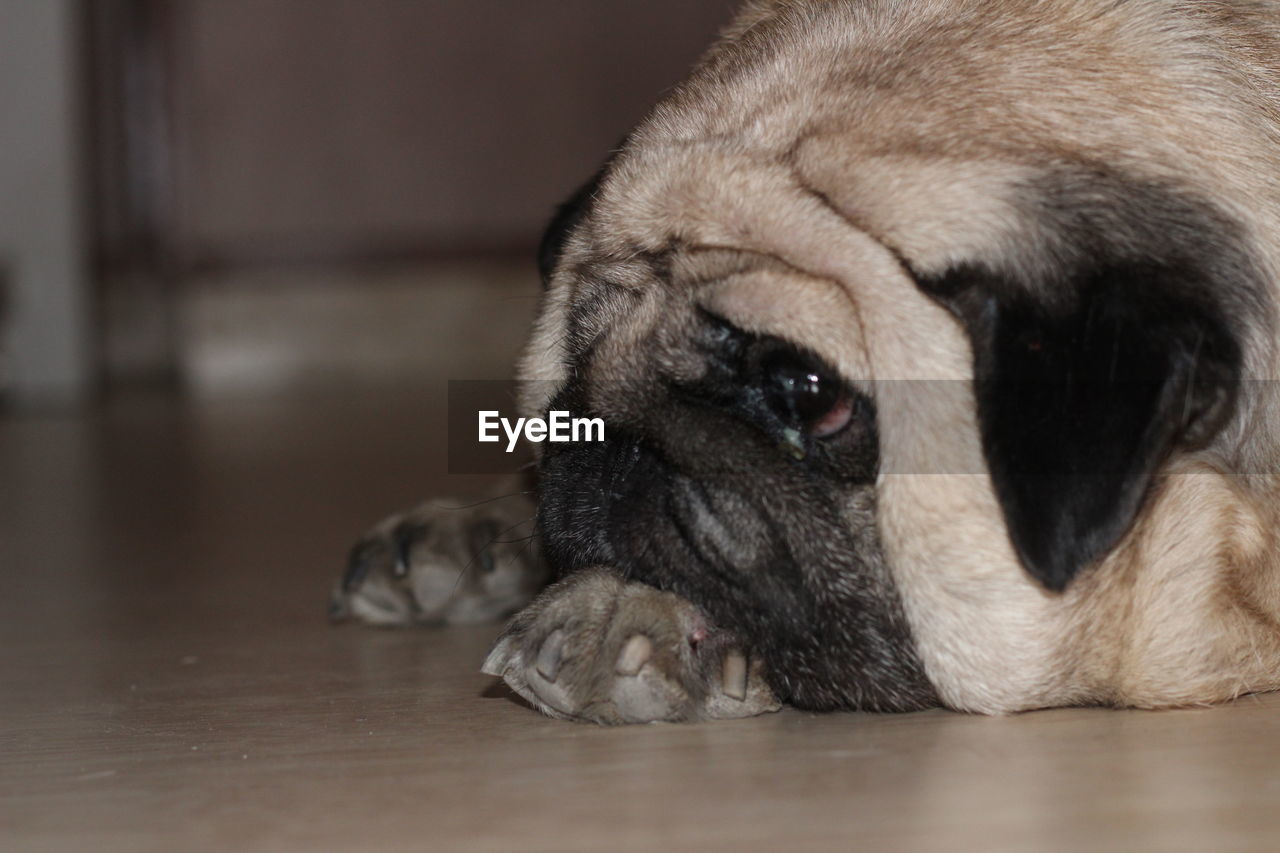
pixel 886 403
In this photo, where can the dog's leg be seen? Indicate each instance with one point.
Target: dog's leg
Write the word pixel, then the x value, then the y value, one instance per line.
pixel 594 647
pixel 453 562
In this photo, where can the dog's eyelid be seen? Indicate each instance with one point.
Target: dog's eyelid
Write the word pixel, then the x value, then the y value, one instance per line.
pixel 716 327
pixel 717 322
pixel 719 328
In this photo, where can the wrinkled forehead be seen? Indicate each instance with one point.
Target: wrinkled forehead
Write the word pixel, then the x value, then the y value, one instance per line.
pixel 670 233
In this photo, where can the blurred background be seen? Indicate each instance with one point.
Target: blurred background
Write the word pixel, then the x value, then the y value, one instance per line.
pixel 230 198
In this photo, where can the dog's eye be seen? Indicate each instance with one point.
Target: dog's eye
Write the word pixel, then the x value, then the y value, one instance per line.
pixel 805 395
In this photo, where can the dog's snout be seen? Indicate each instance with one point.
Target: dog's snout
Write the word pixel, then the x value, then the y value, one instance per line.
pixel 580 484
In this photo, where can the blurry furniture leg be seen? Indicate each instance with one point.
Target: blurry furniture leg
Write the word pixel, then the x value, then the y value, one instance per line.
pixel 45 352
pixel 135 256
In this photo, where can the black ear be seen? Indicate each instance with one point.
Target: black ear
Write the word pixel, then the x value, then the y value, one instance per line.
pixel 568 214
pixel 1080 401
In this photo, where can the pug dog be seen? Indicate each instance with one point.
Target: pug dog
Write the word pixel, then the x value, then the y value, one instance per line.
pixel 936 343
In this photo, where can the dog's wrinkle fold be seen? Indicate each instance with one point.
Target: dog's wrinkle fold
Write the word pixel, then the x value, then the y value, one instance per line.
pixel 702 551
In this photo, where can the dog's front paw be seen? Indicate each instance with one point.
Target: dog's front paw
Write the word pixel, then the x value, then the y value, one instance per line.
pixel 443 564
pixel 594 647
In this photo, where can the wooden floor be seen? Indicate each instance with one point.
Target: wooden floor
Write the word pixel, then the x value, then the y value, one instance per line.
pixel 168 682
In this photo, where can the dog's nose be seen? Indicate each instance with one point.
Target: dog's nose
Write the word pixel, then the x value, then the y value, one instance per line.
pixel 581 486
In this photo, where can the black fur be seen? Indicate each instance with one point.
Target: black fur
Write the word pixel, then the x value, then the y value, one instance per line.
pixel 406 535
pixel 701 495
pixel 360 560
pixel 1089 377
pixel 1078 407
pixel 563 221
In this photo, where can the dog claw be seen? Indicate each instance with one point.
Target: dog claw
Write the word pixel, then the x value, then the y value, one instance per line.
pixel 496 663
pixel 550 656
pixel 733 677
pixel 635 654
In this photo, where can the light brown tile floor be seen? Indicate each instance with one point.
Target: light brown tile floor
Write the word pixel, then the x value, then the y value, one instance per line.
pixel 168 683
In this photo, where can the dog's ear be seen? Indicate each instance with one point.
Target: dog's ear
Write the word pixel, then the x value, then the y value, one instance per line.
pixel 568 214
pixel 1082 396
